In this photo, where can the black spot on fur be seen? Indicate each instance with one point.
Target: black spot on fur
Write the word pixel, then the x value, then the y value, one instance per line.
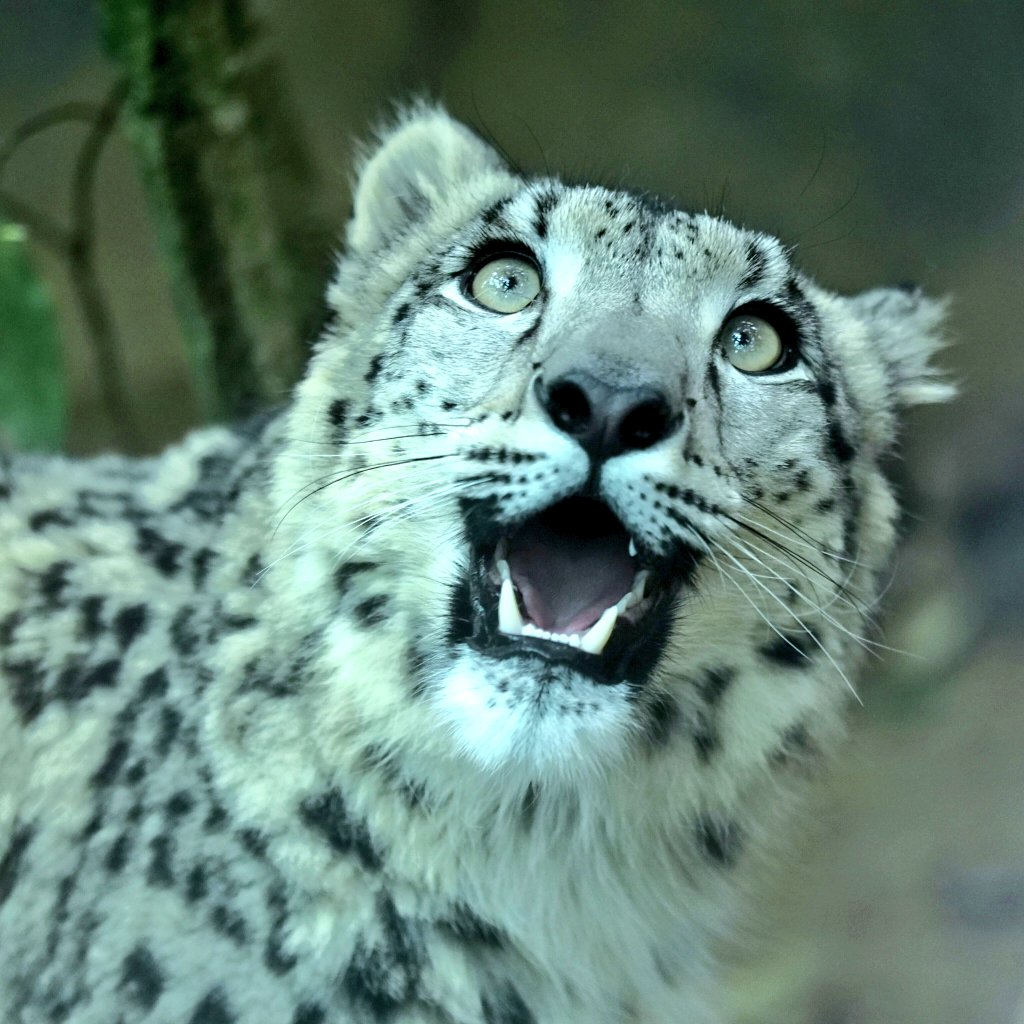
pixel 129 623
pixel 160 872
pixel 376 363
pixel 505 1006
pixel 10 864
pixel 91 624
pixel 164 554
pixel 713 380
pixel 213 1008
pixel 185 637
pixel 201 562
pixel 76 682
pixel 9 626
pixel 494 211
pixel 529 333
pixel 169 726
pixel 155 684
pixel 52 584
pixel 196 883
pixel 464 926
pixel 756 263
pixel 142 982
pixel 546 202
pixel 117 855
pixel 180 803
pixel 706 739
pixel 51 517
pixel 796 748
pixel 26 688
pixel 662 719
pixel 106 774
pixel 402 313
pixel 328 815
pixel 216 818
pixel 839 445
pixel 528 806
pixel 383 978
pixel 253 842
pixel 714 682
pixel 277 960
pixel 790 649
pixel 309 1013
pixel 337 414
pixel 230 924
pixel 345 573
pixel 372 611
pixel 719 841
pixel 711 685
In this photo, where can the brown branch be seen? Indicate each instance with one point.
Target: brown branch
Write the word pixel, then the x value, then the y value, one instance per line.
pixel 99 324
pixel 76 244
pixel 40 122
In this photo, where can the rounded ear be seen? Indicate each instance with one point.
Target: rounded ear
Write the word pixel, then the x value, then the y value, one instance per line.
pixel 905 329
pixel 417 161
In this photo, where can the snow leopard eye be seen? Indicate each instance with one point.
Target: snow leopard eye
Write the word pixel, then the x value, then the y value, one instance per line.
pixel 505 284
pixel 754 345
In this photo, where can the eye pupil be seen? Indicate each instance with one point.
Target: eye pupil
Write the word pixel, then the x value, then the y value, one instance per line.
pixel 505 284
pixel 752 344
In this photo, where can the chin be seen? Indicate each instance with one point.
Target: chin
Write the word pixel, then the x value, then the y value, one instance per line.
pixel 525 712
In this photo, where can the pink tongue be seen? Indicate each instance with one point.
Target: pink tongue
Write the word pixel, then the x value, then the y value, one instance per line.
pixel 567 581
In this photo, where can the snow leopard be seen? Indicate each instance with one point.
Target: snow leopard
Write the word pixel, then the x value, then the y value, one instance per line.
pixel 478 683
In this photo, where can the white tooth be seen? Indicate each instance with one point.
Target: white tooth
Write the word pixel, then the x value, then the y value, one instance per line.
pixel 626 601
pixel 529 629
pixel 503 570
pixel 509 619
pixel 574 640
pixel 595 638
pixel 632 548
pixel 640 583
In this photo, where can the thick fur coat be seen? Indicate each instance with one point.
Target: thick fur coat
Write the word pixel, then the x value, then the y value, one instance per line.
pixel 279 744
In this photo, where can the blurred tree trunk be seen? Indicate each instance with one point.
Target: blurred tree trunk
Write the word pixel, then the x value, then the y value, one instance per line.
pixel 233 191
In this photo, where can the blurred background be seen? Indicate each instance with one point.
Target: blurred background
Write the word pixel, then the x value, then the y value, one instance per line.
pixel 886 144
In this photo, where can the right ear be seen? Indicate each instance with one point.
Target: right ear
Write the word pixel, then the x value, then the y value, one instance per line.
pixel 420 160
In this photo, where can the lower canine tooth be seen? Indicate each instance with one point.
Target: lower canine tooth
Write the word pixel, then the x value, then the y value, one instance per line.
pixel 509 619
pixel 595 638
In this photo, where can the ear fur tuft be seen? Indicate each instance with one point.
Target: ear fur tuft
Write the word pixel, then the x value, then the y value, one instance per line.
pixel 419 158
pixel 906 330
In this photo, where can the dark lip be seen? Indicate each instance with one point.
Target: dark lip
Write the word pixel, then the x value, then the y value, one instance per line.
pixel 633 649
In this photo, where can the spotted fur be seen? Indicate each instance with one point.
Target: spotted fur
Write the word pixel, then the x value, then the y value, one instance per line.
pixel 257 763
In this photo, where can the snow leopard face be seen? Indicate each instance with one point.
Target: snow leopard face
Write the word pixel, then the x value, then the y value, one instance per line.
pixel 620 461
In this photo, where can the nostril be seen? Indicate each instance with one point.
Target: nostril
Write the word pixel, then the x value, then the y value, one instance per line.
pixel 569 408
pixel 644 425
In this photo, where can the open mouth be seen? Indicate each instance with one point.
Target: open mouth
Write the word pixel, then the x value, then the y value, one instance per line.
pixel 567 575
pixel 570 585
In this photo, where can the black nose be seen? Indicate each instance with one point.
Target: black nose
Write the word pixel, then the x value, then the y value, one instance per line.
pixel 605 420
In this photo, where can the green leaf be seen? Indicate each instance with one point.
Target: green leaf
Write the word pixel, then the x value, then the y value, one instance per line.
pixel 32 408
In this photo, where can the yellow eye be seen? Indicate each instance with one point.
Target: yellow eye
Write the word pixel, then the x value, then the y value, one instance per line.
pixel 506 285
pixel 751 344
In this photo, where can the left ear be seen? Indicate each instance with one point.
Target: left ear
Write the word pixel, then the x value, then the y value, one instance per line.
pixel 905 329
pixel 419 163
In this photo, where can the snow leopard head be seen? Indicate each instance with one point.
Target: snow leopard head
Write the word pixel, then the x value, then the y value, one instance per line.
pixel 575 471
